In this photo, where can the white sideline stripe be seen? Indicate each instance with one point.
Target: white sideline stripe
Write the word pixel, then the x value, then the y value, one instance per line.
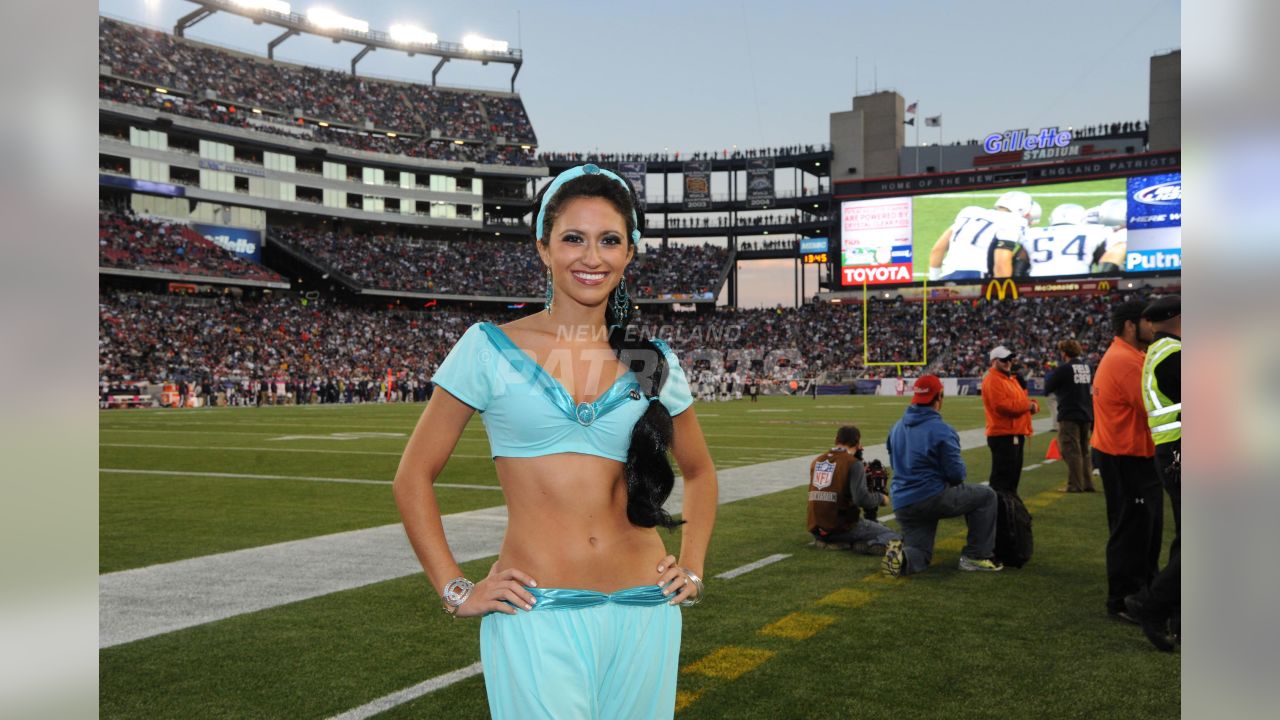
pixel 386 702
pixel 241 448
pixel 354 481
pixel 729 575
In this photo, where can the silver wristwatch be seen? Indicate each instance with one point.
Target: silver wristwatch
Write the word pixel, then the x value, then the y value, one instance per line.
pixel 456 592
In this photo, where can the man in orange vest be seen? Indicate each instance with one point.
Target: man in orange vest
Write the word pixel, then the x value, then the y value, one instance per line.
pixel 1123 452
pixel 1009 410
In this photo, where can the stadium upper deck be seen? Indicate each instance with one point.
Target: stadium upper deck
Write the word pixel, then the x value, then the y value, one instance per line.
pixel 155 69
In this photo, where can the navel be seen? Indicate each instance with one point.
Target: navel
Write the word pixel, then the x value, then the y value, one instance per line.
pixel 594 541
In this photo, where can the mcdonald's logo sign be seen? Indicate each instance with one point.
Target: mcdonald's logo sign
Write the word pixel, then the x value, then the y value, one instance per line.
pixel 1002 288
pixel 1104 285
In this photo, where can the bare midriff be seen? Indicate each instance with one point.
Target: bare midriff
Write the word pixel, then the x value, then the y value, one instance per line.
pixel 567 524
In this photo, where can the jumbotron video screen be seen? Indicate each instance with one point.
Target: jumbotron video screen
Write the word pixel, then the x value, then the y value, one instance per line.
pixel 1093 227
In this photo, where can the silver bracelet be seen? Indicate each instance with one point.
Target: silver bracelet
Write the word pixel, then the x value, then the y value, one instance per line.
pixel 697 583
pixel 456 592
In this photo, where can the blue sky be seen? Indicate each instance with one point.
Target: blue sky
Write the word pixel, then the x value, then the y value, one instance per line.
pixel 643 76
pixel 691 76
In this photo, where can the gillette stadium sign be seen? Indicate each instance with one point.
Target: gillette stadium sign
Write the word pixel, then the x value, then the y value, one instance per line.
pixel 243 242
pixel 1022 140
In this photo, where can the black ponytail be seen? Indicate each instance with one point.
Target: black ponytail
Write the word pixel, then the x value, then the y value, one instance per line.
pixel 648 471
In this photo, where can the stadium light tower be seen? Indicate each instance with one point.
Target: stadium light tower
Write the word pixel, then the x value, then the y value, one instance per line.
pixel 326 22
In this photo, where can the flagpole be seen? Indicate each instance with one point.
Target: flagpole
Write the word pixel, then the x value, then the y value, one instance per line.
pixel 939 168
pixel 917 124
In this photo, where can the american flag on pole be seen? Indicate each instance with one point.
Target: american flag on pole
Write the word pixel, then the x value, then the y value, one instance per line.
pixel 935 121
pixel 911 109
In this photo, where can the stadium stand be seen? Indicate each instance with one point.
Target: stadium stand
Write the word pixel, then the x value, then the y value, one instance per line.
pixel 227 339
pixel 492 268
pixel 769 152
pixel 224 86
pixel 129 242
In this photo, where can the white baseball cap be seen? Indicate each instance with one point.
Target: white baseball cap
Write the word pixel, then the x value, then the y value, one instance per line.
pixel 1001 353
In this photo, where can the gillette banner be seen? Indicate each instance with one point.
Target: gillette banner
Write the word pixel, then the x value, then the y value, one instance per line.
pixel 245 243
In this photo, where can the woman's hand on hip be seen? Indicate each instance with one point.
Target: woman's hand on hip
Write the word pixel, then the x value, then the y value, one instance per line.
pixel 501 591
pixel 674 581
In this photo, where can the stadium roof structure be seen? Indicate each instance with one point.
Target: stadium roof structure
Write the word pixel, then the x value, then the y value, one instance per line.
pixel 270 11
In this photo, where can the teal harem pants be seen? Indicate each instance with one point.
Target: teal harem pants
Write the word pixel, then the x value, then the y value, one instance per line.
pixel 583 655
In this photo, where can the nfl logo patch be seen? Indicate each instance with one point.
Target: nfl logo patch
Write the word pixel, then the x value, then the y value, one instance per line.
pixel 823 473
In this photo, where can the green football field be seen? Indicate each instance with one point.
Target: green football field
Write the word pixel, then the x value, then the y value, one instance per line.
pixel 933 214
pixel 817 634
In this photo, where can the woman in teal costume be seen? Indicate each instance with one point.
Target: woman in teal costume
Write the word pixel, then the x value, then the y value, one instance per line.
pixel 581 611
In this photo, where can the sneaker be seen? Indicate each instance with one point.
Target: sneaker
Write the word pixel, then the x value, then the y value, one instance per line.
pixel 894 558
pixel 1122 615
pixel 971 565
pixel 1155 628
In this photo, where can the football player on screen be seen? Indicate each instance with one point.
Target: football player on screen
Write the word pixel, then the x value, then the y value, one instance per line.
pixel 981 242
pixel 1113 214
pixel 1068 246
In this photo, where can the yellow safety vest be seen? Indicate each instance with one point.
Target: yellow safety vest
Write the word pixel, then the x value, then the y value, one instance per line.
pixel 1164 416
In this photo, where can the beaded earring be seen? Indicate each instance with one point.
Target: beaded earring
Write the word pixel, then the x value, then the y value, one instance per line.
pixel 620 302
pixel 549 291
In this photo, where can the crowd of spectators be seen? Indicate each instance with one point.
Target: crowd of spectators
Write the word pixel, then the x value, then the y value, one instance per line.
pixel 129 242
pixel 159 338
pixel 683 222
pixel 668 156
pixel 147 338
pixel 162 60
pixel 497 268
pixel 769 245
pixel 1110 129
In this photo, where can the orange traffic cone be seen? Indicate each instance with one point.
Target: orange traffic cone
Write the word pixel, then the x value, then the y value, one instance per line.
pixel 1053 453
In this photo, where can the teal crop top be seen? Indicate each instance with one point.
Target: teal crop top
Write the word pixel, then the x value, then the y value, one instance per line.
pixel 528 413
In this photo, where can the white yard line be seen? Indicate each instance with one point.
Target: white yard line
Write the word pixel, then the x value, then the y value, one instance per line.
pixel 386 702
pixel 743 570
pixel 244 476
pixel 243 448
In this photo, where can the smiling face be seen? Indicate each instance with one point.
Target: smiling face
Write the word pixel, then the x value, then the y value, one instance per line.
pixel 587 250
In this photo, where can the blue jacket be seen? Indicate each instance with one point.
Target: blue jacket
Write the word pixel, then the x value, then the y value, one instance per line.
pixel 925 454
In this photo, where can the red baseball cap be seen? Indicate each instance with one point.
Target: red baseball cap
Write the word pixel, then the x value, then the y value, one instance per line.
pixel 927 388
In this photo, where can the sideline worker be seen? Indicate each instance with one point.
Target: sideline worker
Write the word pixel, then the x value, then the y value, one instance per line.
pixel 1009 410
pixel 1158 606
pixel 1122 452
pixel 1072 384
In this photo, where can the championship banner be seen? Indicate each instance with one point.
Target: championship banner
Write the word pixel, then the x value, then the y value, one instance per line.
pixel 760 182
pixel 697 185
pixel 244 243
pixel 635 173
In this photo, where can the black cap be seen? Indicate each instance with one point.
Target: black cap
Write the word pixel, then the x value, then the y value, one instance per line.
pixel 1165 308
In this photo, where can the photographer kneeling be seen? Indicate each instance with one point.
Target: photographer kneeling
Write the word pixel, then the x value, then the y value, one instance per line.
pixel 837 490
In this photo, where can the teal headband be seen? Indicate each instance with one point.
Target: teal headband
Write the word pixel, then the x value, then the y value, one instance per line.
pixel 577 172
